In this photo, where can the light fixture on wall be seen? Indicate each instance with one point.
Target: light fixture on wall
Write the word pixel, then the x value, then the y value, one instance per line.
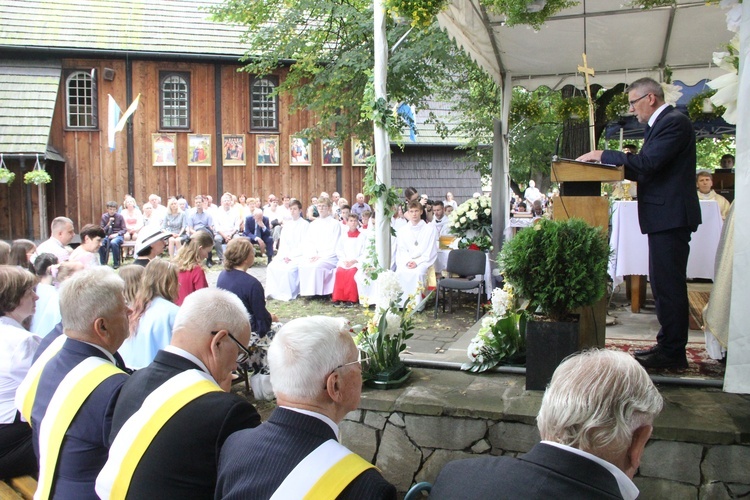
pixel 108 74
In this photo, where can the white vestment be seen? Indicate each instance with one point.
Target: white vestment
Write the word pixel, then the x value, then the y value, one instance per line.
pixel 282 278
pixel 316 278
pixel 417 243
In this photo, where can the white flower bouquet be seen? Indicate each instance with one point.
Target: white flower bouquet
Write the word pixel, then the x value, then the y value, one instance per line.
pixel 471 222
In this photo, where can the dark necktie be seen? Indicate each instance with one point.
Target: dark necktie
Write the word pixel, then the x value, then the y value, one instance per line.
pixel 646 133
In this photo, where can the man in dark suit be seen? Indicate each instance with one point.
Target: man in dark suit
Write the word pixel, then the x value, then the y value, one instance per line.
pixel 95 322
pixel 595 419
pixel 668 212
pixel 317 379
pixel 258 229
pixel 179 460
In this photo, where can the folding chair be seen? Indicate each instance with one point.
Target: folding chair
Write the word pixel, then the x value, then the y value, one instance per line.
pixel 467 264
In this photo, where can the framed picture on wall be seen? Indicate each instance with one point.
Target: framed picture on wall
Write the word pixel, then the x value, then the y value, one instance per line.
pixel 330 153
pixel 267 148
pixel 162 150
pixel 300 149
pixel 360 151
pixel 233 150
pixel 199 150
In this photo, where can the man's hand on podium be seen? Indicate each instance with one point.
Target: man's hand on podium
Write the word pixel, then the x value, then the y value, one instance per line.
pixel 592 156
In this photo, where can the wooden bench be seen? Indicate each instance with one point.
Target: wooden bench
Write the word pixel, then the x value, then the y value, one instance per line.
pixel 22 487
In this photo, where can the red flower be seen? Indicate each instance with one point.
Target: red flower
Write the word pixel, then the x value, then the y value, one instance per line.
pixel 473 246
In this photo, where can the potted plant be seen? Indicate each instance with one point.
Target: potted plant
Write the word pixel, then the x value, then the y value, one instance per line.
pixel 559 266
pixel 37 177
pixel 501 338
pixel 384 337
pixel 6 176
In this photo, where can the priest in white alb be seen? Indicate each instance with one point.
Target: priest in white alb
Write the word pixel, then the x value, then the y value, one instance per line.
pixel 282 274
pixel 319 254
pixel 416 251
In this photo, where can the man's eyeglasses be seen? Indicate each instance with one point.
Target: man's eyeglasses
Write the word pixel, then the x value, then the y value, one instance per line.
pixel 632 103
pixel 244 353
pixel 360 360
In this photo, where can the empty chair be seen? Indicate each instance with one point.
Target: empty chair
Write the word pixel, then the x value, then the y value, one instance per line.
pixel 467 264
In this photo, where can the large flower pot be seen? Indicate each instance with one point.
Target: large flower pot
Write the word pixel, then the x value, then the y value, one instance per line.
pixel 547 344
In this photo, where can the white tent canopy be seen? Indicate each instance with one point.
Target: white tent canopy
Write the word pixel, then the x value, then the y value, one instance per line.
pixel 622 43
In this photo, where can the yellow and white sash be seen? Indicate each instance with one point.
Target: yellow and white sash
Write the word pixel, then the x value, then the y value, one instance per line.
pixel 323 474
pixel 141 428
pixel 70 395
pixel 26 392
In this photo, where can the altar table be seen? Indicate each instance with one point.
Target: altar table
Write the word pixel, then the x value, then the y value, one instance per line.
pixel 630 247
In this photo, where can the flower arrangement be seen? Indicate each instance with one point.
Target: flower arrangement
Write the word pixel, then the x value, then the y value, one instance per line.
pixel 384 337
pixel 617 107
pixel 472 223
pixel 37 176
pixel 532 12
pixel 697 109
pixel 502 335
pixel 6 176
pixel 573 108
pixel 420 13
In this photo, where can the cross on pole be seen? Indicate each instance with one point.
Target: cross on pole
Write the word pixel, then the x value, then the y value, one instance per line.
pixel 586 73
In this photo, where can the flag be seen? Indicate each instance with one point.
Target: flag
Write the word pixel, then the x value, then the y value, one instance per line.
pixel 131 109
pixel 113 116
pixel 407 113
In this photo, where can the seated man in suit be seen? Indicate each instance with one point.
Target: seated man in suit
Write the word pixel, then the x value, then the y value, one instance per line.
pixel 596 417
pixel 258 229
pixel 78 382
pixel 177 455
pixel 317 378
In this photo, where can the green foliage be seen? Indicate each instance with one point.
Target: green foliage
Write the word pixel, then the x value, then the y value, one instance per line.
pixel 375 189
pixel 331 42
pixel 503 340
pixel 37 177
pixel 617 107
pixel 695 107
pixel 516 11
pixel 6 176
pixel 421 13
pixel 558 265
pixel 709 151
pixel 573 108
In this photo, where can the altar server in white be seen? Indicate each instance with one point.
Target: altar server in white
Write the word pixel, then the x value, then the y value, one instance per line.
pixel 416 251
pixel 282 274
pixel 350 251
pixel 319 258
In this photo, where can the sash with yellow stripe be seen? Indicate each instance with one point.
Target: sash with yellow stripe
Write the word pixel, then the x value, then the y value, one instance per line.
pixel 67 400
pixel 26 392
pixel 323 474
pixel 141 428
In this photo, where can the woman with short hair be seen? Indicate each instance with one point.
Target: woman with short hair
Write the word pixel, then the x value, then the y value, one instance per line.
pixel 87 253
pixel 17 348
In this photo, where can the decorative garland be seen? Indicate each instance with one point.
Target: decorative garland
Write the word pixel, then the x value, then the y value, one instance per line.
pixel 573 108
pixel 695 107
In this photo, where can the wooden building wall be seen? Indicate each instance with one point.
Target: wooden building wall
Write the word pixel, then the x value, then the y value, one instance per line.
pixel 93 175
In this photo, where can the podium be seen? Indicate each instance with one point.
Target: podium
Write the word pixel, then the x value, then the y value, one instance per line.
pixel 580 196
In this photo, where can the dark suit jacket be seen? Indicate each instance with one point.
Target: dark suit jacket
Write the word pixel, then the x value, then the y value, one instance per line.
pixel 182 459
pixel 249 230
pixel 255 462
pixel 665 172
pixel 85 447
pixel 544 472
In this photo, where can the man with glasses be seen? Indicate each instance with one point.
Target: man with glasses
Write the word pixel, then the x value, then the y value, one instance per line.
pixel 668 212
pixel 317 378
pixel 172 418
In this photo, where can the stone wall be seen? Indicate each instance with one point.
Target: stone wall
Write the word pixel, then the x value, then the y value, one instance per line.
pixel 410 440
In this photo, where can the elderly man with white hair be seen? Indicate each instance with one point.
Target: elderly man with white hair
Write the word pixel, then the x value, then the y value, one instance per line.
pixel 317 377
pixel 596 417
pixel 173 416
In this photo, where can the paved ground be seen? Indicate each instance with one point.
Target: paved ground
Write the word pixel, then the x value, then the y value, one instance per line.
pixel 447 338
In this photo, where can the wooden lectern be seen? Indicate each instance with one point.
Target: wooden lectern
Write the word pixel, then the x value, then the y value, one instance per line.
pixel 580 196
